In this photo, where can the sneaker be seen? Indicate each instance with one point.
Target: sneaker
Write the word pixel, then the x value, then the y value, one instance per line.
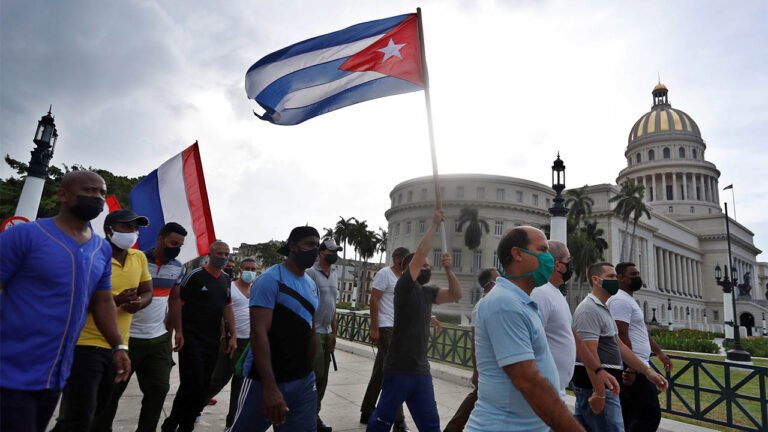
pixel 400 426
pixel 322 427
pixel 364 417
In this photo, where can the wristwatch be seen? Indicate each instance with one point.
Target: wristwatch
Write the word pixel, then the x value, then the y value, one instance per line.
pixel 119 348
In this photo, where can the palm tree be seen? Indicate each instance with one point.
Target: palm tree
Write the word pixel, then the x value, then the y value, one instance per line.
pixel 629 205
pixel 475 227
pixel 341 233
pixel 587 246
pixel 580 205
pixel 328 234
pixel 381 243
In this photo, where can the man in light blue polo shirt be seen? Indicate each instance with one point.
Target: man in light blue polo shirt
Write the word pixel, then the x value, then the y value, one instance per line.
pixel 51 272
pixel 517 375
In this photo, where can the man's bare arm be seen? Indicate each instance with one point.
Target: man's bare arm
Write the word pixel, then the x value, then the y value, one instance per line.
pixel 422 250
pixel 453 293
pixel 274 405
pixel 541 396
pixel 624 333
pixel 376 296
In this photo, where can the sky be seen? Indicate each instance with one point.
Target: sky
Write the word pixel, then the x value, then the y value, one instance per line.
pixel 512 83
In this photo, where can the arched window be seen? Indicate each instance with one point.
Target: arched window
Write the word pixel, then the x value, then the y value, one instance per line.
pixel 651 155
pixel 637 158
pixel 681 152
pixel 694 154
pixel 666 153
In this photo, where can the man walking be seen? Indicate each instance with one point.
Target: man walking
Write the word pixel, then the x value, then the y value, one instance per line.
pixel 639 397
pixel 327 283
pixel 518 381
pixel 91 382
pixel 205 293
pixel 279 388
pixel 407 376
pixel 564 344
pixel 487 280
pixel 596 409
pixel 53 272
pixel 382 316
pixel 151 332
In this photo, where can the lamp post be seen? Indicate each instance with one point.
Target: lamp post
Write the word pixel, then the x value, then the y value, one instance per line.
pixel 765 330
pixel 653 320
pixel 688 315
pixel 45 143
pixel 737 353
pixel 706 326
pixel 669 312
pixel 558 226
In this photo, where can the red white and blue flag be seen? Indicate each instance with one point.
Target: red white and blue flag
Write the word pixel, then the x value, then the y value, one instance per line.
pixel 111 204
pixel 363 62
pixel 176 192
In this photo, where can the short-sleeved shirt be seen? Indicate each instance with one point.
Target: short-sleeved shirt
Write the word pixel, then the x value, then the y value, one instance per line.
pixel 410 334
pixel 327 286
pixel 48 279
pixel 241 306
pixel 293 300
pixel 508 331
pixel 128 275
pixel 204 297
pixel 384 281
pixel 149 322
pixel 593 322
pixel 557 320
pixel 624 308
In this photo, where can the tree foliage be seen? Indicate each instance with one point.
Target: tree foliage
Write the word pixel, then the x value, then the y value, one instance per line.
pixel 580 205
pixel 630 206
pixel 475 227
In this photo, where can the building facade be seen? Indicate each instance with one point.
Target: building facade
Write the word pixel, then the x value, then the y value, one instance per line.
pixel 676 250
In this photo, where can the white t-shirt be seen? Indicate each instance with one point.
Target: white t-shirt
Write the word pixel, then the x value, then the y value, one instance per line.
pixel 624 308
pixel 385 281
pixel 557 319
pixel 241 310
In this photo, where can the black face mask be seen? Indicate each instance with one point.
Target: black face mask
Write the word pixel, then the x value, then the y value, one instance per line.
pixel 229 271
pixel 87 207
pixel 568 272
pixel 424 276
pixel 171 252
pixel 306 258
pixel 635 283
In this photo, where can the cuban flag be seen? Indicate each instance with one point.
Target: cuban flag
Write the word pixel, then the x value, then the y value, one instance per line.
pixel 363 62
pixel 176 192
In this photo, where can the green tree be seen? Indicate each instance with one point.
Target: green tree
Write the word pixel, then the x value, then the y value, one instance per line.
pixel 342 233
pixel 580 205
pixel 381 243
pixel 267 253
pixel 630 206
pixel 475 227
pixel 587 246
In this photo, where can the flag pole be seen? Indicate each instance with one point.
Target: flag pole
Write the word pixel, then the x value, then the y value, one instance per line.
pixel 438 200
pixel 733 200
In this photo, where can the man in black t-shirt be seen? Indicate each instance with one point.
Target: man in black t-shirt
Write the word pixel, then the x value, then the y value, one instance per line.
pixel 406 368
pixel 205 292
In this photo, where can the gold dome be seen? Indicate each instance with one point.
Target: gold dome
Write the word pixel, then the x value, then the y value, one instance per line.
pixel 660 86
pixel 663 119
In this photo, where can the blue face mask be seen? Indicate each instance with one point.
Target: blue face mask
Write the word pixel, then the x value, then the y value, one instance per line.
pixel 248 276
pixel 542 273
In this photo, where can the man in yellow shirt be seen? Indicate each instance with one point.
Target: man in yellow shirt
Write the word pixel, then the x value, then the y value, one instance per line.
pixel 93 372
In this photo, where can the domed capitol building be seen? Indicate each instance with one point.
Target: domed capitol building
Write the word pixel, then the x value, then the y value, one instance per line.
pixel 676 250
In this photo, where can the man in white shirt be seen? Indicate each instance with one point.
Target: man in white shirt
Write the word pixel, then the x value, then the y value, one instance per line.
pixel 563 342
pixel 382 320
pixel 639 397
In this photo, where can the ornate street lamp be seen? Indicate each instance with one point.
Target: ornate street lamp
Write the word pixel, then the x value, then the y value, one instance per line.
pixel 45 139
pixel 765 331
pixel 737 353
pixel 669 312
pixel 653 320
pixel 558 226
pixel 706 325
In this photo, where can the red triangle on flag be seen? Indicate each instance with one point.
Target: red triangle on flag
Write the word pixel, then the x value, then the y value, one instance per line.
pixel 396 54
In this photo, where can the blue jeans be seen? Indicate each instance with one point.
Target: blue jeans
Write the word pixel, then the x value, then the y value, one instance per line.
pixel 609 419
pixel 416 391
pixel 300 395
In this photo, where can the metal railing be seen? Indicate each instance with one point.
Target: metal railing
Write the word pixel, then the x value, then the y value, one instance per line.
pixel 714 392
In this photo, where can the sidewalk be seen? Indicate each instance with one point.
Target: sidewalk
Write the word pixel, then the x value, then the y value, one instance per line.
pixel 341 405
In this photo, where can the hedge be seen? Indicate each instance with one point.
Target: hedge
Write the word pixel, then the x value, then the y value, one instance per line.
pixel 686 340
pixel 757 346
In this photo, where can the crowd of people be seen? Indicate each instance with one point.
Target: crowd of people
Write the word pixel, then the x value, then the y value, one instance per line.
pixel 81 314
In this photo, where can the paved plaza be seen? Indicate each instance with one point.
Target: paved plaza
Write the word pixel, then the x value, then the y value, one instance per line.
pixel 341 406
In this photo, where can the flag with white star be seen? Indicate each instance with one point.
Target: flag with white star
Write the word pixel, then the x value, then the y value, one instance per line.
pixel 363 62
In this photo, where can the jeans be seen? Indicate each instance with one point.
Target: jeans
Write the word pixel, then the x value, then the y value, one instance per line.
pixel 416 391
pixel 196 363
pixel 609 419
pixel 151 361
pixel 299 395
pixel 374 384
pixel 459 420
pixel 322 364
pixel 26 410
pixel 224 370
pixel 88 389
pixel 640 405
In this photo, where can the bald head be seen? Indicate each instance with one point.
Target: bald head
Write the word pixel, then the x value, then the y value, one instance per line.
pixel 558 250
pixel 517 253
pixel 563 268
pixel 75 178
pixel 81 195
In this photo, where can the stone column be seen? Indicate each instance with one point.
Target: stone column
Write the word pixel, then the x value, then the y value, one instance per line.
pixel 655 189
pixel 663 186
pixel 686 195
pixel 679 274
pixel 675 193
pixel 668 271
pixel 701 196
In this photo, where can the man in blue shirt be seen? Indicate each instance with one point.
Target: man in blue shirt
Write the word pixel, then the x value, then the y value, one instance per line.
pixel 517 375
pixel 279 388
pixel 51 272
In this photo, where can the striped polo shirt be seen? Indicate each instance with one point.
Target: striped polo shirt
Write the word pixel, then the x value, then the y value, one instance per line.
pixel 149 322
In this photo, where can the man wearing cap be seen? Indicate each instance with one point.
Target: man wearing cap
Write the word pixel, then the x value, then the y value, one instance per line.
pixel 382 319
pixel 91 383
pixel 279 388
pixel 327 284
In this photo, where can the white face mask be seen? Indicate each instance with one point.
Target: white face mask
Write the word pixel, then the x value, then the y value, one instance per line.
pixel 124 240
pixel 248 276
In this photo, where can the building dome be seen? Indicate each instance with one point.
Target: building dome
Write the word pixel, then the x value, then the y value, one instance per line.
pixel 662 120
